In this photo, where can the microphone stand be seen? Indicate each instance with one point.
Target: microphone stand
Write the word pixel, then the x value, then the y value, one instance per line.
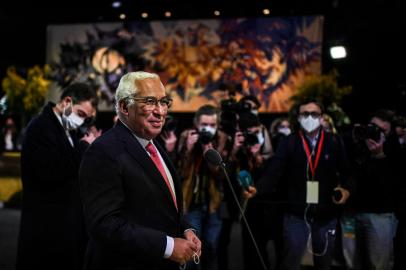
pixel 223 166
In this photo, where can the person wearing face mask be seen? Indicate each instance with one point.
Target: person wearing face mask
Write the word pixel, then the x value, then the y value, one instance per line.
pixel 376 163
pixel 311 169
pixel 280 128
pixel 52 234
pixel 201 181
pixel 250 156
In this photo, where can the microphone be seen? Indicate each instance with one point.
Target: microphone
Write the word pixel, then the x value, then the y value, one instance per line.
pixel 244 179
pixel 213 157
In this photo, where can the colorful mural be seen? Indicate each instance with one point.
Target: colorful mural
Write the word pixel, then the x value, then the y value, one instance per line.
pixel 198 60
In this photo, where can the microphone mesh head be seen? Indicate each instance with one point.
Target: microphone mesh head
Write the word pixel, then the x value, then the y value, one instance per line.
pixel 213 157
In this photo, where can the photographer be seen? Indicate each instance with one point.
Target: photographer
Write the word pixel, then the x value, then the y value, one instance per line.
pixel 254 150
pixel 201 183
pixel 373 156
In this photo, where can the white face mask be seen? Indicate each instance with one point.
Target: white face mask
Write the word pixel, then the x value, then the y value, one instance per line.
pixel 285 131
pixel 309 123
pixel 208 129
pixel 260 138
pixel 71 121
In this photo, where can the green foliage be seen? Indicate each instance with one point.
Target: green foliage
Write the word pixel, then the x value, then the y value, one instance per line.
pixel 324 89
pixel 26 93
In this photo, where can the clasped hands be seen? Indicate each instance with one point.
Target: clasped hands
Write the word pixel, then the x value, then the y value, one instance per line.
pixel 187 249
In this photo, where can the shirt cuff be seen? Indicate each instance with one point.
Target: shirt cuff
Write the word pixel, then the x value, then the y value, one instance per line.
pixel 170 243
pixel 190 229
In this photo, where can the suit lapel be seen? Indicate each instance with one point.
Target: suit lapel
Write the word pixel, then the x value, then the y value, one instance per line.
pixel 135 149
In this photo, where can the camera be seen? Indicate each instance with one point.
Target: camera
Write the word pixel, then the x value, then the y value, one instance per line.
pixel 370 131
pixel 228 105
pixel 85 127
pixel 170 124
pixel 205 136
pixel 251 139
pixel 231 105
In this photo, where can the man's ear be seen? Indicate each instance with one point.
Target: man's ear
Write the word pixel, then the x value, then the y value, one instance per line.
pixel 67 103
pixel 123 107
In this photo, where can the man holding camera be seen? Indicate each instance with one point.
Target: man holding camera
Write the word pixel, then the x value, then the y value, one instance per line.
pixel 373 156
pixel 201 184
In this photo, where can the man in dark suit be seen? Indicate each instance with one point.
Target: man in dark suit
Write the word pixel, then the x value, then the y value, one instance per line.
pixel 52 233
pixel 131 194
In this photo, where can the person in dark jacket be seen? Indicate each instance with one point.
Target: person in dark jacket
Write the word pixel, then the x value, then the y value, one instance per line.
pixel 374 157
pixel 132 197
pixel 52 234
pixel 309 165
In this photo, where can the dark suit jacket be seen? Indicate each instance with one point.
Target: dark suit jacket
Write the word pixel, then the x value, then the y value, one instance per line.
pixel 52 233
pixel 128 207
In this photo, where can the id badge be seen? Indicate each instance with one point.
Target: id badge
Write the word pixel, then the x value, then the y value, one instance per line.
pixel 312 192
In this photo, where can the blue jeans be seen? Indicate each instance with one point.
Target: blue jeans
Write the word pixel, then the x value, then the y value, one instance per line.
pixel 208 226
pixel 295 238
pixel 374 240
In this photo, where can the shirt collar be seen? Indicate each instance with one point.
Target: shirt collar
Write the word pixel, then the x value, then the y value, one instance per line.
pixel 142 141
pixel 313 141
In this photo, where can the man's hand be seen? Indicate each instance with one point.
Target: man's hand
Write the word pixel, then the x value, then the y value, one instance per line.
pixel 170 139
pixel 254 149
pixel 183 250
pixel 191 236
pixel 238 143
pixel 191 139
pixel 91 135
pixel 248 194
pixel 376 148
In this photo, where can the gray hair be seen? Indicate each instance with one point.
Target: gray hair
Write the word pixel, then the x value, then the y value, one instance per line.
pixel 128 87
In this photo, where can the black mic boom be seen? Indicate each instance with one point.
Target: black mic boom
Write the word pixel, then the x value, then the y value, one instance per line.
pixel 214 158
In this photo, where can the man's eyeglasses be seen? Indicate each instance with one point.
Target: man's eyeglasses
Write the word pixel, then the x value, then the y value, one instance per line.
pixel 312 114
pixel 152 102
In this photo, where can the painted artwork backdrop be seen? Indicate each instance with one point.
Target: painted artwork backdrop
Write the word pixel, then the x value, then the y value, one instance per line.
pixel 197 60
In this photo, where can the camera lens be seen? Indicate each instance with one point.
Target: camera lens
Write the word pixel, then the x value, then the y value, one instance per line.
pixel 374 132
pixel 251 139
pixel 205 137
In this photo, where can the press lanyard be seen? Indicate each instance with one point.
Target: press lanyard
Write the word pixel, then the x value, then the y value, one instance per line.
pixel 309 155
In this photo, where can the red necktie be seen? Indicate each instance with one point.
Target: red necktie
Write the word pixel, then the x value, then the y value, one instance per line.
pixel 155 158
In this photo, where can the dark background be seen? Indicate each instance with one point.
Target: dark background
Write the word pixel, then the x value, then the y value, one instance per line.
pixel 373 31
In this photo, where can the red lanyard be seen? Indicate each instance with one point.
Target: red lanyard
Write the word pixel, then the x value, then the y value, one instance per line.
pixel 308 154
